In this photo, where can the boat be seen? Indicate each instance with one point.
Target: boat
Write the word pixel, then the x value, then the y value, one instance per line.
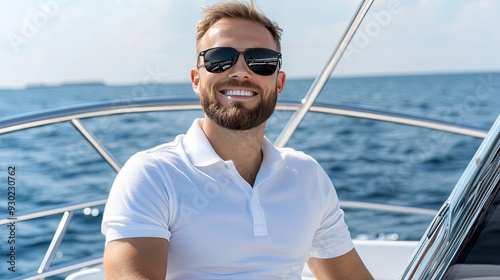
pixel 439 254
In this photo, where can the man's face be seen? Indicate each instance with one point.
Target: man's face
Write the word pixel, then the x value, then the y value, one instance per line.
pixel 237 98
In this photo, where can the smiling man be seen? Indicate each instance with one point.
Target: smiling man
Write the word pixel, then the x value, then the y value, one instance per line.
pixel 221 202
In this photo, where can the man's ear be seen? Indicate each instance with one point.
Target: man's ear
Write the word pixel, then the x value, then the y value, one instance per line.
pixel 195 81
pixel 280 81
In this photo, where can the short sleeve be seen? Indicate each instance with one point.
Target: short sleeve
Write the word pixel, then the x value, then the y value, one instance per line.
pixel 332 238
pixel 139 203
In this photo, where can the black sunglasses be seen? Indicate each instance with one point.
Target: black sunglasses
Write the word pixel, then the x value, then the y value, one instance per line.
pixel 261 61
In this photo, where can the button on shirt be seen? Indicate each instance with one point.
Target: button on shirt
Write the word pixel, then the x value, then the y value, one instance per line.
pixel 220 227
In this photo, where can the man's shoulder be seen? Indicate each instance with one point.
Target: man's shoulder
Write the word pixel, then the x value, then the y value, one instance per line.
pixel 167 147
pixel 291 152
pixel 162 152
pixel 291 155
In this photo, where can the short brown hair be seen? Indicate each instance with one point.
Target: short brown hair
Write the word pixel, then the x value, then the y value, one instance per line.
pixel 236 10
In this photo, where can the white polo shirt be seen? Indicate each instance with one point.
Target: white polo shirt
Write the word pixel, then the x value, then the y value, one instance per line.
pixel 218 226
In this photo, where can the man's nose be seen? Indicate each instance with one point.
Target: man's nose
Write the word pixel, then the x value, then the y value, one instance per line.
pixel 240 69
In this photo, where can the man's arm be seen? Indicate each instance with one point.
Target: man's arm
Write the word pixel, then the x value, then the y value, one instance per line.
pixel 346 267
pixel 136 258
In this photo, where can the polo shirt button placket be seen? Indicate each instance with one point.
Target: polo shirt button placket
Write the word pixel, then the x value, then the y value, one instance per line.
pixel 257 212
pixel 258 216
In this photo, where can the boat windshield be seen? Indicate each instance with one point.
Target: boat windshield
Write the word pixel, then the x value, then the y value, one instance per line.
pixel 479 256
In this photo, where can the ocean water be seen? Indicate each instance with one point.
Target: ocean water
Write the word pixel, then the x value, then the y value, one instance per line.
pixel 367 160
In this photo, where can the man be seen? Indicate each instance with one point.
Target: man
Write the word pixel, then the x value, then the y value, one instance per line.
pixel 221 202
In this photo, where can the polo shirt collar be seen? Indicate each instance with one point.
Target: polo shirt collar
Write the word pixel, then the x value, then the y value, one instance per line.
pixel 201 153
pixel 272 156
pixel 197 146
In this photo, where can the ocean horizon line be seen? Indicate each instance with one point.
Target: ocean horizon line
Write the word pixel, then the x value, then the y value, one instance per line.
pixel 103 83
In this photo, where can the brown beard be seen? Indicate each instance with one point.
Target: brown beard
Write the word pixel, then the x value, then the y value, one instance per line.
pixel 235 116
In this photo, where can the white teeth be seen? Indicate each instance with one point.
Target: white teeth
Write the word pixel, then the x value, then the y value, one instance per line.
pixel 238 93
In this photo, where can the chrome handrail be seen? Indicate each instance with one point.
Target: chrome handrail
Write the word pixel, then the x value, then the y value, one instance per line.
pixel 46 271
pixel 51 210
pixel 95 109
pixel 406 119
pixel 387 208
pixel 57 239
pixel 60 269
pixel 96 144
pixel 73 114
pixel 105 108
pixel 323 77
pixel 54 210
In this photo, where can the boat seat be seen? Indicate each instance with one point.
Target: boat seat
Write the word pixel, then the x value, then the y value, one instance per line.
pixel 384 259
pixel 474 272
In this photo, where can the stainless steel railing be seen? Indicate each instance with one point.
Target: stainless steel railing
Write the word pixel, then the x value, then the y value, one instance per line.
pixel 74 114
pixel 324 75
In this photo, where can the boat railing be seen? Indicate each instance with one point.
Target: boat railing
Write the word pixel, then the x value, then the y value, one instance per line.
pixel 325 74
pixel 74 115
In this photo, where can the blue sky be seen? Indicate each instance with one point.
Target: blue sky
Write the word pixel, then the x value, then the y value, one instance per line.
pixel 132 41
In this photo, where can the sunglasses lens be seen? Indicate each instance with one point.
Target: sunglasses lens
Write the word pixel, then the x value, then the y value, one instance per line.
pixel 262 61
pixel 218 60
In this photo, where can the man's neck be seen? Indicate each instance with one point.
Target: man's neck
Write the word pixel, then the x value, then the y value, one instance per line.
pixel 244 148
